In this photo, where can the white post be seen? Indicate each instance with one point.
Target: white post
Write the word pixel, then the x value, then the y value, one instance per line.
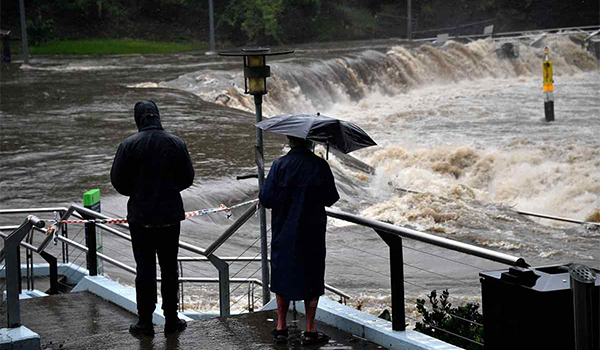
pixel 409 25
pixel 211 21
pixel 24 32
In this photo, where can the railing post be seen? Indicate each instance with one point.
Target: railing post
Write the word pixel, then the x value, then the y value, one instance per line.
pixel 13 269
pixel 262 215
pixel 397 279
pixel 53 266
pixel 19 272
pixel 224 297
pixel 90 242
pixel 13 281
pixel 93 239
pixel 582 289
pixel 65 247
pixel 181 296
pixel 29 263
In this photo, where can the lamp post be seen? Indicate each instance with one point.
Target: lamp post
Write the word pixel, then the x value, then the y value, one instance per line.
pixel 256 73
pixel 409 21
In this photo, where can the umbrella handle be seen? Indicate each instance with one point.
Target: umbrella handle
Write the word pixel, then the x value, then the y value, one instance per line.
pixel 327 154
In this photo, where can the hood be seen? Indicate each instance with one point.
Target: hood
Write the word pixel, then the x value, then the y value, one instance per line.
pixel 146 115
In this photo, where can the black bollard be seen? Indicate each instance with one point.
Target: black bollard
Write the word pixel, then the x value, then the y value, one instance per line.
pixel 549 110
pixel 582 290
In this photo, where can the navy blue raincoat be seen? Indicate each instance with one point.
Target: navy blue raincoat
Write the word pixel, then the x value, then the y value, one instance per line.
pixel 298 187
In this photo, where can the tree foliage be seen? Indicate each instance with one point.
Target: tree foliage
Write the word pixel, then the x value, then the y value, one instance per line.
pixel 270 21
pixel 257 19
pixel 266 22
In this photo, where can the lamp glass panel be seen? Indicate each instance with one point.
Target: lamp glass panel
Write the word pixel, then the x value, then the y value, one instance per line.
pixel 256 85
pixel 256 61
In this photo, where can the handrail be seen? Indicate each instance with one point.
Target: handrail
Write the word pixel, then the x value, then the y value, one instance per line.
pixel 205 252
pixel 97 215
pixel 23 244
pixel 78 211
pixel 543 216
pixel 592 35
pixel 99 255
pixel 90 213
pixel 11 254
pixel 215 279
pixel 557 218
pixel 513 35
pixel 8 228
pixel 227 258
pixel 231 230
pixel 35 210
pixel 133 271
pixel 404 232
pixel 429 238
pixel 257 259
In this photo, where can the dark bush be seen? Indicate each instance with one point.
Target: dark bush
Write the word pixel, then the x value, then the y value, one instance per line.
pixel 461 325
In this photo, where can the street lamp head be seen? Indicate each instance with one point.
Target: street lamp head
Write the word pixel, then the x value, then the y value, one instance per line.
pixel 256 71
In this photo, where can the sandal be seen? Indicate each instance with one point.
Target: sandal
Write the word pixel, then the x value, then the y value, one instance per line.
pixel 312 338
pixel 280 336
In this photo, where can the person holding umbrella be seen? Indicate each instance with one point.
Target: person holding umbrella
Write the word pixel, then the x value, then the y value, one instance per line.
pixel 298 188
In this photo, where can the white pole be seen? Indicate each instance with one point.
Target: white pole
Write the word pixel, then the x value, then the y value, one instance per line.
pixel 211 21
pixel 409 25
pixel 24 32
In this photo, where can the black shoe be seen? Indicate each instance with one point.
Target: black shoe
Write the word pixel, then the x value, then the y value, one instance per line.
pixel 141 328
pixel 280 336
pixel 312 338
pixel 175 326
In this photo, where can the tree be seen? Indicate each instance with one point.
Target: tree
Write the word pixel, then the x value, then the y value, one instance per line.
pixel 257 19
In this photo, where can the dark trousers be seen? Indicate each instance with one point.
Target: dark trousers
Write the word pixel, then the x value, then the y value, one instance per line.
pixel 147 243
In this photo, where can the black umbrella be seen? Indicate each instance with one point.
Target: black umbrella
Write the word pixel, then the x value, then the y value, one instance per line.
pixel 341 135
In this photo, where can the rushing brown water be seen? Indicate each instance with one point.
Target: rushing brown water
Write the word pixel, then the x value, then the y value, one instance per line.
pixel 456 123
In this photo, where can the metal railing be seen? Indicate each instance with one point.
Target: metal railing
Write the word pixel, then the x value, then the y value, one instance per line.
pixel 392 235
pixel 13 268
pixel 208 254
pixel 506 35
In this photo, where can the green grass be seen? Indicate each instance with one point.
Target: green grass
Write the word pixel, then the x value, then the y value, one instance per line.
pixel 110 47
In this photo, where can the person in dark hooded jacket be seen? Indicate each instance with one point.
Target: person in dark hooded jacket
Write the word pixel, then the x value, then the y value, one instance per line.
pixel 298 188
pixel 152 167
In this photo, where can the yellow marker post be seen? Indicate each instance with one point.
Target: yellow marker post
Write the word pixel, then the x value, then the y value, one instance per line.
pixel 548 86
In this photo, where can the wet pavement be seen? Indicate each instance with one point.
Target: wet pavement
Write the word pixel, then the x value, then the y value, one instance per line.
pixel 84 321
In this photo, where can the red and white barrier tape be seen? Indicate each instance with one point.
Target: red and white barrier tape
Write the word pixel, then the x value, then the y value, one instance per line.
pixel 189 214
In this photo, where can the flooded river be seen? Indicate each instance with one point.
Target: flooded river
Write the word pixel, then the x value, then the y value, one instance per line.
pixel 455 123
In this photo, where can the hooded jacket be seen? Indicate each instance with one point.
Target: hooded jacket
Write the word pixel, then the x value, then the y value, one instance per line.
pixel 152 167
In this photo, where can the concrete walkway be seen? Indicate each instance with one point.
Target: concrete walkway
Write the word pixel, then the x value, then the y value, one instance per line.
pixel 84 321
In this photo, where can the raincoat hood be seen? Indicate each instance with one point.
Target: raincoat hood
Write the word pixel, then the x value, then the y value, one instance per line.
pixel 146 115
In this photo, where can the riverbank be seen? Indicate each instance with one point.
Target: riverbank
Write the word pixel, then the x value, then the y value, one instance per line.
pixel 112 47
pixel 240 23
